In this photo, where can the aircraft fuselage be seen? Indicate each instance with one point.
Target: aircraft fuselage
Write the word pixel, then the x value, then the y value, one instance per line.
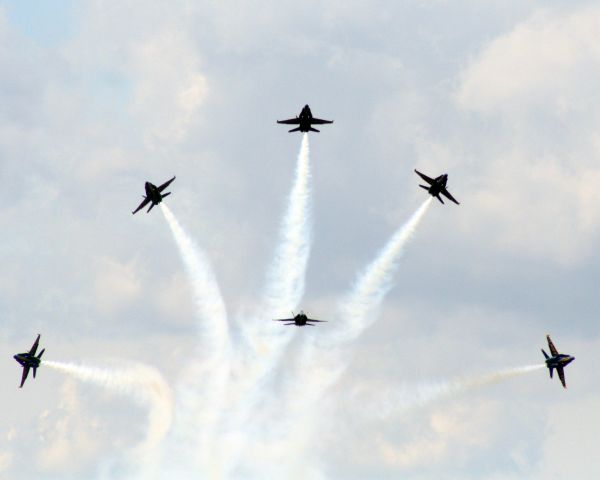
pixel 153 193
pixel 300 320
pixel 560 360
pixel 27 360
pixel 439 185
pixel 305 119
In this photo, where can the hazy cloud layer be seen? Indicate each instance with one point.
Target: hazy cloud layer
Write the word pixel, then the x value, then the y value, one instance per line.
pixel 500 95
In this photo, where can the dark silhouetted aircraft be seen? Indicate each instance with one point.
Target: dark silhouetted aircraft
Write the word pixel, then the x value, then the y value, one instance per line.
pixel 29 360
pixel 437 186
pixel 299 320
pixel 305 121
pixel 153 194
pixel 557 360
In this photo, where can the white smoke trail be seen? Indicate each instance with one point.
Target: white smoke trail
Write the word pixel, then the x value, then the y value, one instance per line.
pixel 405 397
pixel 286 276
pixel 266 341
pixel 321 362
pixel 359 308
pixel 143 383
pixel 202 389
pixel 207 296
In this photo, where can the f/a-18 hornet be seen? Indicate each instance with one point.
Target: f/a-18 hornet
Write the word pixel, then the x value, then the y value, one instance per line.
pixel 557 360
pixel 153 194
pixel 299 320
pixel 305 121
pixel 28 360
pixel 437 186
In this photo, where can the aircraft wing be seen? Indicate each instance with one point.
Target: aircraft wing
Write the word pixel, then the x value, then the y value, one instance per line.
pixel 551 346
pixel 165 185
pixel 284 320
pixel 24 377
pixel 318 121
pixel 35 345
pixel 291 121
pixel 446 194
pixel 313 320
pixel 142 205
pixel 429 180
pixel 561 375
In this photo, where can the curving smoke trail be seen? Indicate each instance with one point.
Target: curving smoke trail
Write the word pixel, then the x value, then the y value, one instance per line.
pixel 207 296
pixel 202 389
pixel 359 308
pixel 143 383
pixel 405 397
pixel 321 362
pixel 264 341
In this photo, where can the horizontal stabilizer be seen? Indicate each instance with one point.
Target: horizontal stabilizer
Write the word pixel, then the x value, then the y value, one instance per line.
pixel 166 194
pixel 294 130
pixel 425 187
pixel 314 130
pixel 41 353
pixel 34 371
pixel 151 207
pixel 440 199
pixel 551 371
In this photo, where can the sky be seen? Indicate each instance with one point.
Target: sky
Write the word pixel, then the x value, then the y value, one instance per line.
pixel 99 96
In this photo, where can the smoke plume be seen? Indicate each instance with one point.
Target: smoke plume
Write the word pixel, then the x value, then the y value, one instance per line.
pixel 142 383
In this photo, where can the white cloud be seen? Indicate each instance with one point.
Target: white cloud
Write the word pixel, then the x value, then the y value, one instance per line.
pixel 551 60
pixel 535 183
pixel 116 285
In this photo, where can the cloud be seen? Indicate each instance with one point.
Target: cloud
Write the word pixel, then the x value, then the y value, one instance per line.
pixel 127 96
pixel 535 190
pixel 72 438
pixel 116 285
pixel 537 64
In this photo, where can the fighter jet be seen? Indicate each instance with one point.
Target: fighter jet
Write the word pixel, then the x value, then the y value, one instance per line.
pixel 557 360
pixel 299 320
pixel 153 194
pixel 29 360
pixel 305 121
pixel 437 186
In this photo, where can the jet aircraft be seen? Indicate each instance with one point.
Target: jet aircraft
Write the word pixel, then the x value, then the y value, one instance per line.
pixel 437 186
pixel 28 360
pixel 299 320
pixel 153 194
pixel 305 121
pixel 557 360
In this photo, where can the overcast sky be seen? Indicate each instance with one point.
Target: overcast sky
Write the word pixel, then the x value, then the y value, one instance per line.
pixel 96 97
